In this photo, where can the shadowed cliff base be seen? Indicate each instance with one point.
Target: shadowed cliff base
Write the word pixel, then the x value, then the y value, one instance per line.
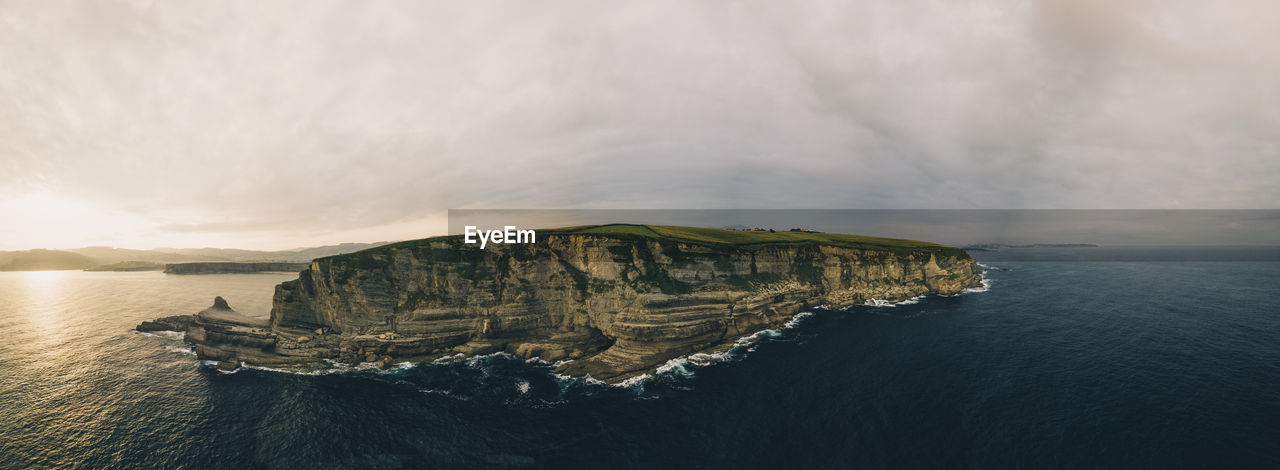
pixel 610 301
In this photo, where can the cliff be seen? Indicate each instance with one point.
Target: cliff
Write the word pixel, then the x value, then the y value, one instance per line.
pixel 232 267
pixel 614 301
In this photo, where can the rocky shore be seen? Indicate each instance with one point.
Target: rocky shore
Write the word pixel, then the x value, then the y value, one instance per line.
pixel 609 305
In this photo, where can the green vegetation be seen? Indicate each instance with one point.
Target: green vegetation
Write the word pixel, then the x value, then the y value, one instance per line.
pixel 757 239
pixel 614 229
pixel 738 239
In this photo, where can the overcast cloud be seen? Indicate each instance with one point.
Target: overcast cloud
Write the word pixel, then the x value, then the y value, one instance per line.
pixel 274 124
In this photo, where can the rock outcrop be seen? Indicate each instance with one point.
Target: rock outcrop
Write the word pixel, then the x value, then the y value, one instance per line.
pixel 608 305
pixel 219 333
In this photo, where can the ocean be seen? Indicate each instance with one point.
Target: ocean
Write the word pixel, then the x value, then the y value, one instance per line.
pixel 1055 365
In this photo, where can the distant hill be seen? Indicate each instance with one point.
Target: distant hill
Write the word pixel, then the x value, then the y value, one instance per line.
pixel 105 258
pixel 109 255
pixel 296 255
pixel 44 260
pixel 128 266
pixel 308 254
pixel 234 267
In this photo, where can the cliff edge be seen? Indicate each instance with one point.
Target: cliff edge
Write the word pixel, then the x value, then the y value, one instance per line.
pixel 611 301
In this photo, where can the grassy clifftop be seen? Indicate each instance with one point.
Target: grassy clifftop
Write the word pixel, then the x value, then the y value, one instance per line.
pixel 717 236
pixel 739 239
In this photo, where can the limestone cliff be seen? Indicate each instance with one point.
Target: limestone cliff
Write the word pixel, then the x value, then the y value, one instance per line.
pixel 613 304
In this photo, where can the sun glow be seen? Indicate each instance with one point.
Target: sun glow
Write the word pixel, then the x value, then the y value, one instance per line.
pixel 40 280
pixel 45 219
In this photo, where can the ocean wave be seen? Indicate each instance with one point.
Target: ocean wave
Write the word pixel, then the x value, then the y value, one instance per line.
pixel 886 303
pixel 638 380
pixel 330 367
pixel 174 335
pixel 795 320
pixel 184 350
pixel 214 366
pixel 567 380
pixel 986 286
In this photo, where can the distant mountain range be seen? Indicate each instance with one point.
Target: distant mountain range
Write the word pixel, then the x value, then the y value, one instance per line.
pixel 105 258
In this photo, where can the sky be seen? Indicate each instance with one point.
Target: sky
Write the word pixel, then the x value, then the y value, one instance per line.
pixel 281 124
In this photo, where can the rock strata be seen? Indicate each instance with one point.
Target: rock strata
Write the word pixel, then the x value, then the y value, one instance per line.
pixel 607 306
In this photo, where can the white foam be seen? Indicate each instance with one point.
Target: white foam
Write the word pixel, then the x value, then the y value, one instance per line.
pixel 637 381
pixel 181 350
pixel 523 386
pixel 676 366
pixel 886 303
pixel 795 320
pixel 175 335
pixel 333 368
pixel 214 365
pixel 986 285
pixel 474 361
pixel 448 359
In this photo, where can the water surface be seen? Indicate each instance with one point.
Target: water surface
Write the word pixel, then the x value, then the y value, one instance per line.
pixel 1058 365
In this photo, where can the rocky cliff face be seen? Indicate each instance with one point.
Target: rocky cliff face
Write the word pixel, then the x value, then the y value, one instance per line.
pixel 614 307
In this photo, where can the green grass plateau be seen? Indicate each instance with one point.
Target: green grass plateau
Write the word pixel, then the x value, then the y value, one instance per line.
pixel 738 239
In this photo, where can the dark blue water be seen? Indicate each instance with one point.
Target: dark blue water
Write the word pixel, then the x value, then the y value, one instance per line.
pixel 1058 365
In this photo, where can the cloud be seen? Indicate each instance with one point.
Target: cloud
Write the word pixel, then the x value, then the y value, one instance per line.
pixel 315 119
